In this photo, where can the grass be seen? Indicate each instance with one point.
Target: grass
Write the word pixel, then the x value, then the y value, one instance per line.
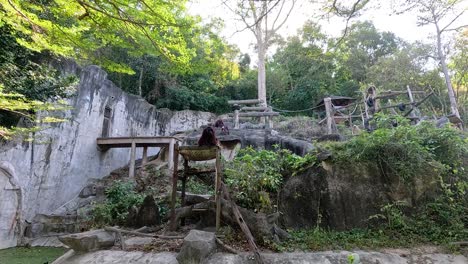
pixel 34 255
pixel 319 240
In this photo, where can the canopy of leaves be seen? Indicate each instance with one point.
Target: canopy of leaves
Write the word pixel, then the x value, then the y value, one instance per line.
pixel 80 28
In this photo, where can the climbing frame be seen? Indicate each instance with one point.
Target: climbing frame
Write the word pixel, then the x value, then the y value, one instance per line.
pixel 195 153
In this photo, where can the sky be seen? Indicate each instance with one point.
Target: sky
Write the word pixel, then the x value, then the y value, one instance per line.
pixel 404 26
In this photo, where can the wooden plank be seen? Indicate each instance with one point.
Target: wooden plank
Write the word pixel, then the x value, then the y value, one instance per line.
pixel 173 225
pixel 126 142
pixel 248 101
pixel 258 114
pixel 245 229
pixel 131 169
pixel 255 108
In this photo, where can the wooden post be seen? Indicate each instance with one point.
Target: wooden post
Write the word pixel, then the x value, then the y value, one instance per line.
pixel 170 158
pixel 182 195
pixel 145 156
pixel 410 96
pixel 236 119
pixel 131 170
pixel 329 111
pixel 175 177
pixel 218 189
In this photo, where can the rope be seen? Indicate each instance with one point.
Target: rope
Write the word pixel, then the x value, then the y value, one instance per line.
pixel 295 111
pixel 355 108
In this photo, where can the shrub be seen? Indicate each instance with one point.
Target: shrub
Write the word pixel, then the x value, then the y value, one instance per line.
pixel 120 197
pixel 254 175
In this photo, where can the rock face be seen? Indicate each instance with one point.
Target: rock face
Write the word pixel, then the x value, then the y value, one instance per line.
pixel 344 196
pixel 10 206
pixel 89 241
pixel 197 246
pixel 53 169
pixel 148 214
pixel 263 139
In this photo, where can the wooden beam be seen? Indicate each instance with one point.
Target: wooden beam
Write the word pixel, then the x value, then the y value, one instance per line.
pixel 173 225
pixel 258 114
pixel 255 108
pixel 419 103
pixel 218 190
pixel 249 101
pixel 131 169
pixel 236 119
pixel 245 229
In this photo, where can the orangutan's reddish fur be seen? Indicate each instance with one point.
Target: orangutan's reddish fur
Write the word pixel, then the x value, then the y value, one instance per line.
pixel 208 138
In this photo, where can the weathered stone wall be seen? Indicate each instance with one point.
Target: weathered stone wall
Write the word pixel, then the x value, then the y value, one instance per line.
pixel 54 167
pixel 344 195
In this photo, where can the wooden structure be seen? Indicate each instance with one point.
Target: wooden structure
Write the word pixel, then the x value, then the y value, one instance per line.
pixel 140 142
pixel 195 153
pixel 251 111
pixel 332 106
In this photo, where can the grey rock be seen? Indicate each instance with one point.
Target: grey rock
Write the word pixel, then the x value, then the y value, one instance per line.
pixel 117 257
pixel 196 247
pixel 55 173
pixel 89 241
pixel 88 190
pixel 148 214
pixel 138 241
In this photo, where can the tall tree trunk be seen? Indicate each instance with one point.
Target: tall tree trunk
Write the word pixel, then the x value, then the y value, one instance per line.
pixel 451 93
pixel 140 80
pixel 261 74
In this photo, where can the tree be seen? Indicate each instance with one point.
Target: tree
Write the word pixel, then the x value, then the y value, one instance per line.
pixel 442 14
pixel 263 19
pixel 80 28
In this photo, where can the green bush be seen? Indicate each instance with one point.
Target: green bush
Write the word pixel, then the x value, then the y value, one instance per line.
pixel 120 197
pixel 408 151
pixel 255 175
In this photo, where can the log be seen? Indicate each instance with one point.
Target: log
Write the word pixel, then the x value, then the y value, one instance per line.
pixel 118 230
pixel 248 101
pixel 243 226
pixel 255 108
pixel 226 247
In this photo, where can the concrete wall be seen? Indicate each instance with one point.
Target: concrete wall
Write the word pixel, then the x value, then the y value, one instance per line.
pixel 55 166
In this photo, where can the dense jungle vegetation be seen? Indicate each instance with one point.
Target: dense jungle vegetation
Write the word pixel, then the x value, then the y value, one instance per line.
pixel 157 50
pixel 180 62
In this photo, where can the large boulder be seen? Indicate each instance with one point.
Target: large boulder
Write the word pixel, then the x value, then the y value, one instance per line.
pixel 197 246
pixel 89 241
pixel 344 195
pixel 148 214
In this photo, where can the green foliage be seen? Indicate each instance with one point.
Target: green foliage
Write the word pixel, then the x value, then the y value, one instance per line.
pixel 120 197
pixel 30 255
pixel 196 186
pixel 182 98
pixel 406 151
pixel 80 28
pixel 255 175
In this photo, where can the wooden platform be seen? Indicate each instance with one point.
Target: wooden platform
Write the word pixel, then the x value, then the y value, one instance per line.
pixel 140 142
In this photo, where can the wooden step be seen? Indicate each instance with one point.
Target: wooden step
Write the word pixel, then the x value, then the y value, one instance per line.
pixel 255 108
pixel 258 114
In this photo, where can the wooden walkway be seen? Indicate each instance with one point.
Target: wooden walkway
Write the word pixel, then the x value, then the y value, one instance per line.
pixel 140 142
